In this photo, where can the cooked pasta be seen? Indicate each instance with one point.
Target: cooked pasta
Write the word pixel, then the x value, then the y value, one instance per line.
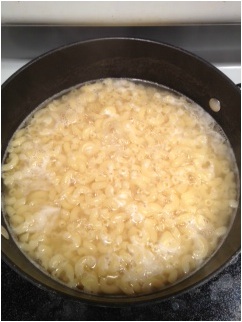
pixel 119 187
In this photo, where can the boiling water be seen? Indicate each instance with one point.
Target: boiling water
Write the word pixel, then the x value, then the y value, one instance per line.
pixel 119 187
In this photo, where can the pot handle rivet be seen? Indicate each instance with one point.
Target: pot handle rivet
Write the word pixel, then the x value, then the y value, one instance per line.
pixel 214 104
pixel 4 232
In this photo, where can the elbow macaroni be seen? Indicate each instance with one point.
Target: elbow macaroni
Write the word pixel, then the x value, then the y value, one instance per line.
pixel 117 187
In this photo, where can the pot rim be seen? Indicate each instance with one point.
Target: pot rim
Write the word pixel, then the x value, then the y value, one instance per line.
pixel 104 39
pixel 112 301
pixel 104 300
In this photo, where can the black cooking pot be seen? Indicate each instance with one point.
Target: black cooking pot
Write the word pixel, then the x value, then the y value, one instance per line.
pixel 129 58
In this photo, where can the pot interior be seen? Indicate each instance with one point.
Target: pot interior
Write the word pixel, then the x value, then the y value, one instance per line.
pixel 121 58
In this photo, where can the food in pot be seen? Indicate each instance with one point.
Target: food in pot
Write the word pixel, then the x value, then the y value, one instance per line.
pixel 119 187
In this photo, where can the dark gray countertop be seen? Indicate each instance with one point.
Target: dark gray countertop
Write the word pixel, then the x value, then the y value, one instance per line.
pixel 217 300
